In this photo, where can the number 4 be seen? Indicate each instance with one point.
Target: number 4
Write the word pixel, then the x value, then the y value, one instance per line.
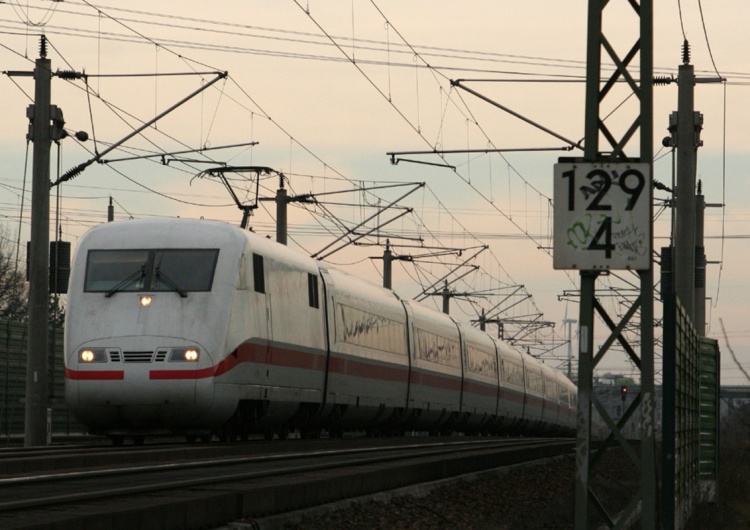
pixel 605 231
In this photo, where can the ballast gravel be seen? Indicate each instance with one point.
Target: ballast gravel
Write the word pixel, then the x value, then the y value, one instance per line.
pixel 524 497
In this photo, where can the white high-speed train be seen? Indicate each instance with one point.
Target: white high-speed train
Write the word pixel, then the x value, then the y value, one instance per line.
pixel 201 328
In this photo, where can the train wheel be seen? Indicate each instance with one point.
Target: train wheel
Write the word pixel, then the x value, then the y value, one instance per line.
pixel 206 438
pixel 139 439
pixel 117 440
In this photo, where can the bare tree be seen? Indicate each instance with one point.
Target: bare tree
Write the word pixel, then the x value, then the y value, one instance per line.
pixel 13 289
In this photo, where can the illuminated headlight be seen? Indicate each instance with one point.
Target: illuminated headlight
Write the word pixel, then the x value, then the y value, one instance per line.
pixel 145 301
pixel 92 355
pixel 184 354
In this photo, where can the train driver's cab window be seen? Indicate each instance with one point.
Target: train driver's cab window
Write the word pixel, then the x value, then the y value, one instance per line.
pixel 189 269
pixel 179 270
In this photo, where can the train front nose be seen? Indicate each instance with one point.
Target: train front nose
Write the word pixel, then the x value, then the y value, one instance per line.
pixel 143 387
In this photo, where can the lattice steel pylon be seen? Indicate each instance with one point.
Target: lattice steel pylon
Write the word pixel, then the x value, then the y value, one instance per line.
pixel 594 248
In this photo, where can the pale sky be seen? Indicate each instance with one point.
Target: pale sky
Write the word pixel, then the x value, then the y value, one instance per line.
pixel 328 88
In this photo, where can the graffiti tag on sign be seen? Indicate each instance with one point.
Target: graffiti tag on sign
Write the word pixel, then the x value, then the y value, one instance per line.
pixel 626 238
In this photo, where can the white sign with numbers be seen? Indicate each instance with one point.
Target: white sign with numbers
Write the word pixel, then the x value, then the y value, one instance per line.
pixel 602 216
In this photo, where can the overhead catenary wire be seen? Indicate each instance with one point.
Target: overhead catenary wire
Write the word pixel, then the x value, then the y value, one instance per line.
pixel 206 25
pixel 488 157
pixel 397 109
pixel 290 135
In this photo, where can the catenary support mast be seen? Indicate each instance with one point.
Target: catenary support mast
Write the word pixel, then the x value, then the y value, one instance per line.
pixel 35 430
pixel 687 133
pixel 612 164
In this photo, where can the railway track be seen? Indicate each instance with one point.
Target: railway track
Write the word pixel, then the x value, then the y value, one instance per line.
pixel 179 486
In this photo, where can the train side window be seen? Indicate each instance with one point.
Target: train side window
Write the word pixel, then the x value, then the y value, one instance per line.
pixel 258 275
pixel 513 373
pixel 312 290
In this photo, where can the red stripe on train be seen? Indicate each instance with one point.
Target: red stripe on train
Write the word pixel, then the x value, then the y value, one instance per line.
pixel 182 374
pixel 355 368
pixel 436 380
pixel 481 389
pixel 249 352
pixel 94 375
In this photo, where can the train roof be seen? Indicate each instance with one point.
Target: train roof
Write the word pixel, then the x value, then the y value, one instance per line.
pixel 152 233
pixel 187 233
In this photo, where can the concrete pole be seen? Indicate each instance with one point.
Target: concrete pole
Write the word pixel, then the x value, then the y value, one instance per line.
pixel 446 299
pixel 684 253
pixel 281 220
pixel 35 431
pixel 387 267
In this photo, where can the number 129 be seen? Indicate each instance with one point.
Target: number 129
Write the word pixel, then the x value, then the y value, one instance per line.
pixel 602 186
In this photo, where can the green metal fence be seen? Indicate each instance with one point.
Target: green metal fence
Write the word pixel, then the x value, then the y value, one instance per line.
pixel 13 383
pixel 681 416
pixel 709 420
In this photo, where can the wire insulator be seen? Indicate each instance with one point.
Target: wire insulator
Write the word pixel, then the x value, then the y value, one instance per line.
pixel 68 74
pixel 663 79
pixel 43 46
pixel 686 52
pixel 73 173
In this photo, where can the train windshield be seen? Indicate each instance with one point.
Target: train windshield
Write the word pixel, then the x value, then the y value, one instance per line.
pixel 179 270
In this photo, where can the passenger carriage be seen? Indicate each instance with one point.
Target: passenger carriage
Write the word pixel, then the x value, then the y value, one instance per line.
pixel 481 381
pixel 368 372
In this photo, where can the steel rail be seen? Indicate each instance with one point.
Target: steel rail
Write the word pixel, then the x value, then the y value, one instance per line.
pixel 353 457
pixel 233 460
